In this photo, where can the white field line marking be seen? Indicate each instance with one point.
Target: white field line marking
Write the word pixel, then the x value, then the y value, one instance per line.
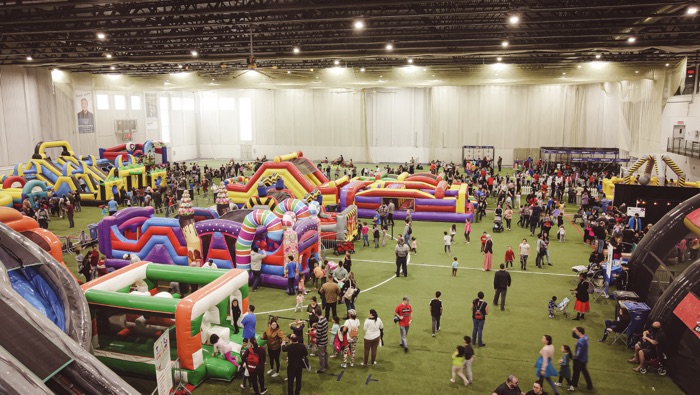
pixel 471 268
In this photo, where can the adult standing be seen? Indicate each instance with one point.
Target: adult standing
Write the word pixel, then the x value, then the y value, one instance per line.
pixel 313 310
pixel 501 282
pixel 70 212
pixel 580 359
pixel 353 325
pixel 436 312
pixel 256 372
pixel 401 251
pixel 508 215
pixel 340 274
pixel 541 250
pixel 274 336
pixel 500 162
pixel 582 305
pixel 321 340
pixel 403 314
pixel 544 369
pixel 291 271
pixel 373 327
pixel 330 292
pixel 256 258
pixel 407 230
pixel 390 215
pixel 480 309
pixel 488 253
pixel 112 206
pixel 296 362
pixel 94 260
pixel 524 252
pixel 350 292
pixel 248 322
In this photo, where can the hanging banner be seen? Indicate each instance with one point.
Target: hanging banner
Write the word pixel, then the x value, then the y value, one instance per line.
pixel 164 373
pixel 151 111
pixel 84 105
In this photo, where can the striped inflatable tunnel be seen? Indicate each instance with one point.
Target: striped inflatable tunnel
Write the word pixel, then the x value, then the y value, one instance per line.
pixel 270 180
pixel 251 222
pixel 268 201
pixel 299 208
pixel 312 196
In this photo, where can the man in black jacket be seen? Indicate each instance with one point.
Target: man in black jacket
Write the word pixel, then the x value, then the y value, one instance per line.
pixel 296 354
pixel 257 377
pixel 501 282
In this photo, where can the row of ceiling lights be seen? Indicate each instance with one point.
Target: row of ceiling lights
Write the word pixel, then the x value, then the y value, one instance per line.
pixel 359 24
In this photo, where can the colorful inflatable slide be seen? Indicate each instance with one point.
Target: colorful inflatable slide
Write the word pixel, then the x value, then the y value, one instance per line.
pixel 67 172
pixel 426 195
pixel 42 304
pixel 129 314
pixel 15 189
pixel 154 152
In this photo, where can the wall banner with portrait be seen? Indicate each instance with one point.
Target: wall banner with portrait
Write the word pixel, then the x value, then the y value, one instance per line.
pixel 84 108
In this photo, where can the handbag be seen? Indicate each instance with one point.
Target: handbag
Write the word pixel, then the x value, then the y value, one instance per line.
pixel 349 293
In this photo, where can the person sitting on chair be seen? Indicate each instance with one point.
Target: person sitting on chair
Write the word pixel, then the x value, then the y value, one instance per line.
pixel 622 279
pixel 647 347
pixel 618 325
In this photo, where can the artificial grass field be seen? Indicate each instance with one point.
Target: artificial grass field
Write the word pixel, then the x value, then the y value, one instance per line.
pixel 512 337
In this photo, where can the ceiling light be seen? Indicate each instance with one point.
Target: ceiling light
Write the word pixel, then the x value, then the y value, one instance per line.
pixel 631 39
pixel 362 69
pixel 498 59
pixel 179 66
pixel 289 72
pixel 668 64
pixel 108 55
pixel 578 67
pixel 563 73
pixel 597 56
pixel 514 19
pixel 636 71
pixel 410 60
pixel 505 44
pixel 101 36
pixel 389 47
pixel 29 57
pixel 336 62
pixel 194 53
pixel 359 24
pixel 692 10
pixel 296 50
pixel 311 70
pixel 112 68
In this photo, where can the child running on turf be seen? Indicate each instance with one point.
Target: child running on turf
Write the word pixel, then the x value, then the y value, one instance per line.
pixel 455 265
pixel 510 255
pixel 448 242
pixel 457 362
pixel 564 368
pixel 561 234
pixel 334 331
pixel 414 245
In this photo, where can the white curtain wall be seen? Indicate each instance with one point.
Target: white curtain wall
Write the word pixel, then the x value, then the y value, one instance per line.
pixel 374 124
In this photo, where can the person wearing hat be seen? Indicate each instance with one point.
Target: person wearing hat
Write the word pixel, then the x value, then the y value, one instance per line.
pixel 622 279
pixel 401 251
pixel 404 313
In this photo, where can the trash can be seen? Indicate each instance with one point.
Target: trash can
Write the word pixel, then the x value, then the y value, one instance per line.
pixel 92 228
pixel 638 316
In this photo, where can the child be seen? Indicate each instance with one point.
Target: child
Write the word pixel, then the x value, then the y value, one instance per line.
pixel 334 331
pixel 483 241
pixel 561 234
pixel 340 342
pixel 301 285
pixel 455 265
pixel 375 235
pixel 552 306
pixel 414 245
pixel 300 300
pixel 104 211
pixel 457 362
pixel 383 235
pixel 222 347
pixel 318 275
pixel 246 375
pixel 564 368
pixel 297 328
pixel 312 340
pixel 101 267
pixel 453 232
pixel 448 242
pixel 510 256
pixel 365 235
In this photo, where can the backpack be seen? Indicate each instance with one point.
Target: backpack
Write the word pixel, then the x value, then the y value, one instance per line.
pixel 591 288
pixel 478 315
pixel 410 231
pixel 252 360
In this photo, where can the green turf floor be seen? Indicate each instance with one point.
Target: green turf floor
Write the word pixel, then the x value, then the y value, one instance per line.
pixel 512 337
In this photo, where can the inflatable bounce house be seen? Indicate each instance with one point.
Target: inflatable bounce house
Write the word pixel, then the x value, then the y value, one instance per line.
pixel 427 196
pixel 665 273
pixel 42 304
pixel 153 152
pixel 15 189
pixel 129 314
pixel 226 237
pixel 68 172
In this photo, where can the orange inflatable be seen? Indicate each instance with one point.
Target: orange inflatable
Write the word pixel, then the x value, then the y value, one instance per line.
pixel 30 229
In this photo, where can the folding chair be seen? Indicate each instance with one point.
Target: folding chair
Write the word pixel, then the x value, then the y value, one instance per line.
pixel 598 288
pixel 619 335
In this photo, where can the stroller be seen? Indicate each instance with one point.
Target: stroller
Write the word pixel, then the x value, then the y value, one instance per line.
pixel 497 224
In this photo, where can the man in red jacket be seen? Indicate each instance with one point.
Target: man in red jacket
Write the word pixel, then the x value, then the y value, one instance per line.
pixel 403 314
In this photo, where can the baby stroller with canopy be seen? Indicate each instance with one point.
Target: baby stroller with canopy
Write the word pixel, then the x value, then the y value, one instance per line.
pixel 498 224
